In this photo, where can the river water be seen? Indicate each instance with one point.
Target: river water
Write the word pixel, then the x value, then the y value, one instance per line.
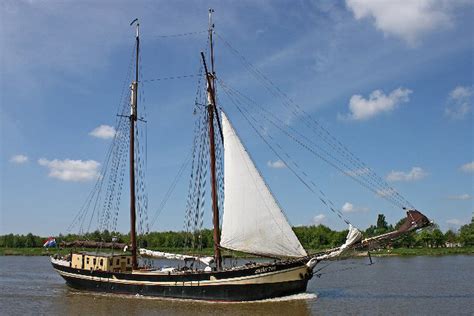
pixel 391 286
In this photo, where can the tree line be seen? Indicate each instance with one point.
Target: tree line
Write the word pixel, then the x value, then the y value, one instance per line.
pixel 313 237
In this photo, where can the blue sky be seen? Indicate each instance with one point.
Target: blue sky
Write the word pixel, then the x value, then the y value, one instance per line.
pixel 392 79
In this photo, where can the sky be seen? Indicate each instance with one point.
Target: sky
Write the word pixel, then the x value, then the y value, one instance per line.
pixel 393 80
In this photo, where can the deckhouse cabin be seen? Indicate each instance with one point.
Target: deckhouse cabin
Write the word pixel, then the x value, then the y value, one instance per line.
pixel 102 261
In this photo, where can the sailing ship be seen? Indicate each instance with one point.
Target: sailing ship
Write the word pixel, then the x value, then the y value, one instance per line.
pixel 252 223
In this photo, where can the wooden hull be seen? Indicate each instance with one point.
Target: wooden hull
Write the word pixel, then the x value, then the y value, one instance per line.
pixel 245 284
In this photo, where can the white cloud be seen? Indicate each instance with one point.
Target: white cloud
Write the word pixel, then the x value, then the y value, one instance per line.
pixel 71 170
pixel 408 19
pixel 378 102
pixel 19 159
pixel 461 92
pixel 347 207
pixel 278 164
pixel 416 173
pixel 318 219
pixel 460 197
pixel 103 131
pixel 459 102
pixel 455 222
pixel 468 167
pixel 350 208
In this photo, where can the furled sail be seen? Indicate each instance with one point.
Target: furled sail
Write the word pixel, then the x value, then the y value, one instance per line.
pixel 174 256
pixel 253 221
pixel 353 236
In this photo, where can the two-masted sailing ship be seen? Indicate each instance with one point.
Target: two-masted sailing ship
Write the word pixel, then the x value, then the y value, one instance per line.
pixel 252 223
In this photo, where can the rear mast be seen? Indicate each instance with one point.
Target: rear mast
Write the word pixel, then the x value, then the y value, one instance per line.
pixel 133 120
pixel 211 109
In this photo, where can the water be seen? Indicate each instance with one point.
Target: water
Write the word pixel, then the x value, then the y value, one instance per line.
pixel 392 286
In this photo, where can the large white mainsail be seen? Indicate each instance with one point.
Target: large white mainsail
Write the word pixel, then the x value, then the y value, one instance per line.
pixel 253 221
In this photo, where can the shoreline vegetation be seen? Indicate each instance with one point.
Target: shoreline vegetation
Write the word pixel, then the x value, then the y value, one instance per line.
pixel 314 238
pixel 393 252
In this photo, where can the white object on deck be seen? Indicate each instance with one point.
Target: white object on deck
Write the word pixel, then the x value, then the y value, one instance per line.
pixel 174 256
pixel 61 262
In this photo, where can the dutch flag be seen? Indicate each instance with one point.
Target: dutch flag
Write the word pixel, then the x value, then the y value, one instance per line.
pixel 50 242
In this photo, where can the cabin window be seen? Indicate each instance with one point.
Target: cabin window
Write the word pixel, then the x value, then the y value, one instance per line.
pixel 111 261
pixel 95 261
pixel 87 260
pixel 117 262
pixel 128 260
pixel 101 262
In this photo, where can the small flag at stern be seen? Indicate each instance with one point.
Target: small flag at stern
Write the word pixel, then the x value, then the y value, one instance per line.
pixel 51 242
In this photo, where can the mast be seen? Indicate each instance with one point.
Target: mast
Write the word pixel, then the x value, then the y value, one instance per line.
pixel 133 120
pixel 211 109
pixel 211 44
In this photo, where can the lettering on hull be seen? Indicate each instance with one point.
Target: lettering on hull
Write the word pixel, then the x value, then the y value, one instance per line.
pixel 265 269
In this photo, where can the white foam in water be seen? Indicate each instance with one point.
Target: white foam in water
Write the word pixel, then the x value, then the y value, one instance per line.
pixel 300 296
pixel 294 297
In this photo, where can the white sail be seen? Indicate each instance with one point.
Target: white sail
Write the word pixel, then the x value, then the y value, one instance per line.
pixel 253 221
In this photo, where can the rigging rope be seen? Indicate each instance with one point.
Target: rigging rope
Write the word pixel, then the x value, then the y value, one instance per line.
pixel 115 148
pixel 180 34
pixel 307 144
pixel 318 129
pixel 170 78
pixel 196 200
pixel 293 166
pixel 171 188
pixel 140 166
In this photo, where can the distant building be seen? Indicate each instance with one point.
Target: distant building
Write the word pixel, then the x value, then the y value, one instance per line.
pixel 452 244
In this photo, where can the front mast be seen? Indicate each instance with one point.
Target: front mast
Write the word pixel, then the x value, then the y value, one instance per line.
pixel 133 120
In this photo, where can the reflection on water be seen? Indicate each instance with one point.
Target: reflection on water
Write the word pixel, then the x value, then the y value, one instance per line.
pixel 103 304
pixel 416 285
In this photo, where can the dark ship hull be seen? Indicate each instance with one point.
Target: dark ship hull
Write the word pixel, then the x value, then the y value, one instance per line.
pixel 243 284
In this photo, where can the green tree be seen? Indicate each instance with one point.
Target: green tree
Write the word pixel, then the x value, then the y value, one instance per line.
pixel 371 231
pixel 381 222
pixel 106 236
pixel 338 238
pixel 407 241
pixel 466 235
pixel 424 238
pixel 450 236
pixel 400 223
pixel 437 238
pixel 30 240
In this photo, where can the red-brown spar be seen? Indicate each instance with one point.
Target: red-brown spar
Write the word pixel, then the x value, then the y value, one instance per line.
pixel 252 222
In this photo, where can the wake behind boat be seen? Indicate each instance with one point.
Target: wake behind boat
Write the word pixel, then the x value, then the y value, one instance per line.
pixel 252 223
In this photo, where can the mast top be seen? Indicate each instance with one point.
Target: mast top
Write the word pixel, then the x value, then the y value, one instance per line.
pixel 211 24
pixel 137 27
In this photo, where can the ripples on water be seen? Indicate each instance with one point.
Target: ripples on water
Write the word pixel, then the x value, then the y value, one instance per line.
pixel 408 286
